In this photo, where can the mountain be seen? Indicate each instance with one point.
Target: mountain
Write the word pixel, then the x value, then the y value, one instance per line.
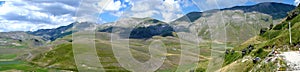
pixel 276 10
pixel 52 34
pixel 190 17
pixel 139 28
pixel 239 23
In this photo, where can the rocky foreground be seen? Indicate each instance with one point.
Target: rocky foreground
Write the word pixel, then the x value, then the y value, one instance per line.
pixel 293 60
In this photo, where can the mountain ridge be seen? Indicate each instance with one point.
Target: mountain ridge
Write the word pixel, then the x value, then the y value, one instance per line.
pixel 260 7
pixel 53 34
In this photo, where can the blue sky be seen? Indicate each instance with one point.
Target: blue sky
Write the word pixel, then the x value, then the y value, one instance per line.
pixel 1 2
pixel 31 15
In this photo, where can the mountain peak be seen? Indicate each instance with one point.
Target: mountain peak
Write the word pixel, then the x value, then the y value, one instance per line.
pixel 276 10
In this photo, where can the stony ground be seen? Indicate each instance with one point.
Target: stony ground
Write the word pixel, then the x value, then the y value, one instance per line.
pixel 293 60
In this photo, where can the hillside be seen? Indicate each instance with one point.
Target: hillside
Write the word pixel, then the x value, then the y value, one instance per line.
pixel 275 39
pixel 241 22
pixel 61 57
pixel 276 10
pixel 19 40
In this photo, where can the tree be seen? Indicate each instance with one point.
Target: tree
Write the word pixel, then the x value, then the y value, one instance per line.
pixel 244 51
pixel 263 30
pixel 271 26
pixel 232 51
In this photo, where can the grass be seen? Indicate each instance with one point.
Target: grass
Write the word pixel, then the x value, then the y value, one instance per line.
pixel 61 56
pixel 267 67
pixel 278 37
pixel 8 56
pixel 20 65
pixel 260 53
pixel 229 58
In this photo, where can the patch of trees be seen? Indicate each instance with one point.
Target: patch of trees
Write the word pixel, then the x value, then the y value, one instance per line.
pixel 247 50
pixel 263 31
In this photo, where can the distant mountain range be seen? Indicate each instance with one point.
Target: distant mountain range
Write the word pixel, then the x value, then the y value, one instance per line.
pixel 52 34
pixel 148 27
pixel 276 10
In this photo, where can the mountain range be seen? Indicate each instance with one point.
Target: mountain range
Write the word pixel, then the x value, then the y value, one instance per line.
pixel 242 24
pixel 262 13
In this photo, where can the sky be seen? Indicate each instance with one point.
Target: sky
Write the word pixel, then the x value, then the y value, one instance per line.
pixel 31 15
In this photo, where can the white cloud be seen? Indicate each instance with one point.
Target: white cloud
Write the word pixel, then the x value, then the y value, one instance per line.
pixel 186 3
pixel 127 0
pixel 167 10
pixel 90 9
pixel 297 2
pixel 171 10
pixel 27 16
pixel 113 6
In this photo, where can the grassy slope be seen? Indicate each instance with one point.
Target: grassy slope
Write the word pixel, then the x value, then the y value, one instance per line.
pixel 278 37
pixel 61 57
pixel 16 66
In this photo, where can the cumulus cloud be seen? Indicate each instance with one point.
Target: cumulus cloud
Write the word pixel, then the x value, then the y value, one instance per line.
pixel 113 6
pixel 30 15
pixel 297 2
pixel 166 10
pixel 90 9
pixel 171 10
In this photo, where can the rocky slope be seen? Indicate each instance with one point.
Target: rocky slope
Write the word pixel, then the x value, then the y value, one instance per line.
pixel 236 24
pixel 19 40
pixel 276 10
pixel 265 45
